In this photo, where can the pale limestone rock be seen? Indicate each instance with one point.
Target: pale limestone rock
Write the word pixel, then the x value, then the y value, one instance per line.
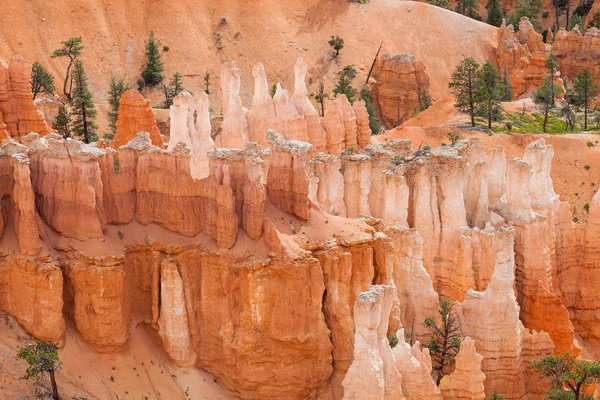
pixel 201 141
pixel 300 100
pixel 293 125
pixel 234 133
pixel 466 382
pixel 182 119
pixel 330 186
pixel 373 373
pixel 173 319
pixel 414 365
pixel 261 116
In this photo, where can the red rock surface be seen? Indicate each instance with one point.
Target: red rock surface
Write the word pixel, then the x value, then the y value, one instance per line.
pixel 135 116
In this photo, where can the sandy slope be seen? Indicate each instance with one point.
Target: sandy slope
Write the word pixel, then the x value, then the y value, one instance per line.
pixel 275 32
pixel 142 372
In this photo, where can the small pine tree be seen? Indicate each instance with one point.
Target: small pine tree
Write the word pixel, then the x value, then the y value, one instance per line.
pixel 153 68
pixel 531 9
pixel 424 100
pixel 585 93
pixel 576 20
pixel 570 377
pixel 495 14
pixel 42 81
pixel 207 83
pixel 445 340
pixel 273 90
pixel 62 122
pixel 468 8
pixel 71 49
pixel 337 43
pixel 344 86
pixel 42 358
pixel 567 110
pixel 117 86
pixel 372 111
pixel 464 86
pixel 496 396
pixel 321 96
pixel 489 93
pixel 440 3
pixel 543 97
pixel 173 89
pixel 84 111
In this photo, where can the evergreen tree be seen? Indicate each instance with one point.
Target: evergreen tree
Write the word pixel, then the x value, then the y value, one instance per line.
pixel 273 90
pixel 464 86
pixel 489 93
pixel 468 8
pixel 543 97
pixel 42 81
pixel 585 92
pixel 496 396
pixel 337 43
pixel 207 82
pixel 440 3
pixel 531 9
pixel 62 123
pixel 567 108
pixel 424 100
pixel 495 14
pixel 570 376
pixel 173 89
pixel 153 68
pixel 507 86
pixel 84 111
pixel 445 340
pixel 344 86
pixel 72 49
pixel 117 86
pixel 321 96
pixel 42 358
pixel 372 111
pixel 576 20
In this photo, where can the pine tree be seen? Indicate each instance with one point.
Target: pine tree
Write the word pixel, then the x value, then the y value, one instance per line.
pixel 337 43
pixel 468 8
pixel 567 109
pixel 42 81
pixel 489 93
pixel 496 396
pixel 424 100
pixel 84 111
pixel 153 68
pixel 207 82
pixel 585 93
pixel 42 358
pixel 445 340
pixel 72 49
pixel 570 376
pixel 321 96
pixel 62 122
pixel 344 86
pixel 372 111
pixel 495 14
pixel 464 85
pixel 543 96
pixel 576 20
pixel 531 9
pixel 118 85
pixel 173 89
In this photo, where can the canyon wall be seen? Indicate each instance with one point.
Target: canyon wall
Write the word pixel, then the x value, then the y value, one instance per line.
pixel 281 269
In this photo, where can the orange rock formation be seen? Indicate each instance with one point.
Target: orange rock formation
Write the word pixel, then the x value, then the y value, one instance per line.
pixel 19 112
pixel 135 116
